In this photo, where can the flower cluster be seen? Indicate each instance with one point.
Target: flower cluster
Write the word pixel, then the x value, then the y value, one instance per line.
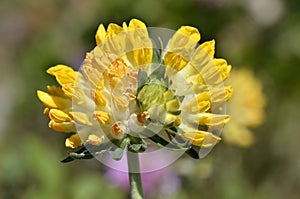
pixel 128 92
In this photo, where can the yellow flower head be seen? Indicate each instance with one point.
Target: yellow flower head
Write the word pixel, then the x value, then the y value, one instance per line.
pixel 246 108
pixel 130 89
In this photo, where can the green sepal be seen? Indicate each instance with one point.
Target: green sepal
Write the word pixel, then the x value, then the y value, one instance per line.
pixel 82 153
pixel 158 72
pixel 117 154
pixel 85 155
pixel 164 143
pixel 88 152
pixel 118 149
pixel 175 112
pixel 176 138
pixel 142 79
pixel 99 148
pixel 156 58
pixel 180 98
pixel 167 81
pixel 192 153
pixel 136 145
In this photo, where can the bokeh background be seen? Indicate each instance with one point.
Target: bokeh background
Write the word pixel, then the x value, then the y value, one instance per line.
pixel 260 35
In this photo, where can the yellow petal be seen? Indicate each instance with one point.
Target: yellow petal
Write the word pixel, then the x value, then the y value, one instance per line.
pixel 66 127
pixel 215 71
pixel 173 105
pixel 223 68
pixel 188 70
pixel 209 47
pixel 74 93
pixel 80 118
pixel 168 95
pixel 46 111
pixel 228 92
pixel 94 140
pixel 102 117
pixel 54 90
pixel 120 103
pixel 124 25
pixel 139 46
pixel 177 122
pixel 143 56
pixel 59 69
pixel 115 71
pixel 170 118
pixel 99 98
pixel 200 104
pixel 59 116
pixel 185 37
pixel 221 95
pixel 115 42
pixel 181 46
pixel 211 73
pixel 209 119
pixel 64 74
pixel 202 138
pixel 94 59
pixel 52 101
pixel 212 121
pixel 73 142
pixel 201 58
pixel 101 58
pixel 100 35
pixel 196 138
pixel 94 77
pixel 135 24
pixel 175 61
pixel 210 140
pixel 113 29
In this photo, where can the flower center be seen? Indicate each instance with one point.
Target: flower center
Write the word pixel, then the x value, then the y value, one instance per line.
pixel 160 102
pixel 151 94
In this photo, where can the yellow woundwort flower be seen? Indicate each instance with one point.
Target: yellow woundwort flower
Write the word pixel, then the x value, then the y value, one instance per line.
pixel 246 108
pixel 128 91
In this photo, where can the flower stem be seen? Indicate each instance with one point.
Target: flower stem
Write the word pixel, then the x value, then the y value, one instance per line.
pixel 136 187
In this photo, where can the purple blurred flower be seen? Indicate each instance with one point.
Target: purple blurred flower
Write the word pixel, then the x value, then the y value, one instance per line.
pixel 162 180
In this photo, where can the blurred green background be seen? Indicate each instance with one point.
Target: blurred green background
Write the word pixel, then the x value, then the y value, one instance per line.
pixel 262 35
